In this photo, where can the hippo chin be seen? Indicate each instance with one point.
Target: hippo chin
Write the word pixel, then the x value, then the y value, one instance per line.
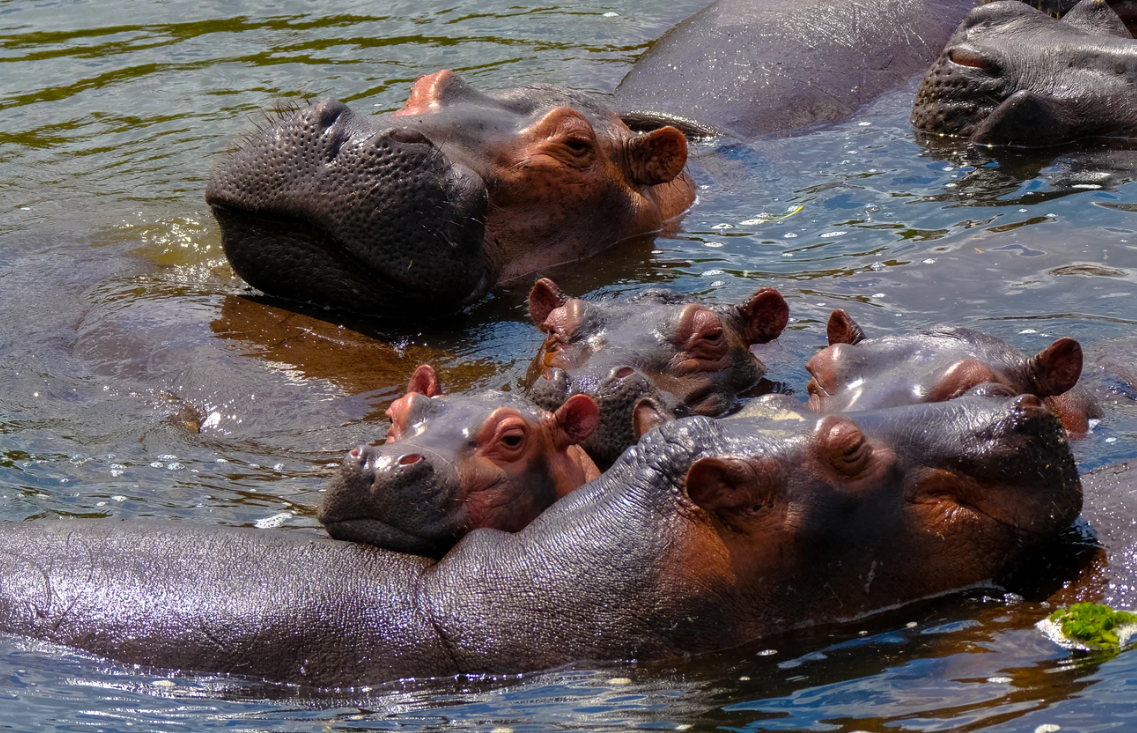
pixel 706 535
pixel 424 210
pixel 453 464
pixel 1013 75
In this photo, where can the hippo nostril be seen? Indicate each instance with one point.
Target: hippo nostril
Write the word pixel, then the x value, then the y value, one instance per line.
pixel 328 112
pixel 408 136
pixel 358 456
pixel 623 372
pixel 1028 401
pixel 409 459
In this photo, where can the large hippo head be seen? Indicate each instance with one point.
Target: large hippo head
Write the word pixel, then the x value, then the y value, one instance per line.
pixel 423 210
pixel 452 464
pixel 796 517
pixel 694 359
pixel 856 373
pixel 1013 75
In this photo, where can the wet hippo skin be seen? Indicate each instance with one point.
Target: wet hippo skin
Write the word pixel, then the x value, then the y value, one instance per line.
pixel 1013 75
pixel 705 535
pixel 756 67
pixel 690 358
pixel 453 464
pixel 857 373
pixel 422 211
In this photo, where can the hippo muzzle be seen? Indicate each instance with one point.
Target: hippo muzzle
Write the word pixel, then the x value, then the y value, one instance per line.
pixel 382 481
pixel 358 213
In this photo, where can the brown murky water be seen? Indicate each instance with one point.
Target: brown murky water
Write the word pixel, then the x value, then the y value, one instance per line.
pixel 138 377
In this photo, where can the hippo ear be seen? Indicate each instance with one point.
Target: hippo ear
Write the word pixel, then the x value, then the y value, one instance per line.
pixel 765 316
pixel 649 413
pixel 424 381
pixel 1029 118
pixel 842 329
pixel 578 417
pixel 544 298
pixel 1097 17
pixel 843 445
pixel 658 156
pixel 721 483
pixel 1056 368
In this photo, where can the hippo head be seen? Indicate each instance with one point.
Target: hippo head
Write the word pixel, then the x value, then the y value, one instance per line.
pixel 432 205
pixel 691 358
pixel 795 513
pixel 855 373
pixel 1013 75
pixel 454 464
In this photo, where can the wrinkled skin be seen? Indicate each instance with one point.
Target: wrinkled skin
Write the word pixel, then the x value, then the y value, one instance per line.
pixel 691 358
pixel 705 535
pixel 1125 9
pixel 424 210
pixel 1013 75
pixel 759 67
pixel 454 464
pixel 855 373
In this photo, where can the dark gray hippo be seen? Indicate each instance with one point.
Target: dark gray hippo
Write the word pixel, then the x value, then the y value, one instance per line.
pixel 689 358
pixel 422 211
pixel 704 536
pixel 755 67
pixel 1013 75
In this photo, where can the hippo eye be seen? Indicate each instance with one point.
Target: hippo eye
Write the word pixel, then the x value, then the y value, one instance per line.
pixel 577 146
pixel 713 335
pixel 512 440
pixel 966 57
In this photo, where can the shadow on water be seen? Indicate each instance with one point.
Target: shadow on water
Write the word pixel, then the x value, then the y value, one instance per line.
pixel 139 378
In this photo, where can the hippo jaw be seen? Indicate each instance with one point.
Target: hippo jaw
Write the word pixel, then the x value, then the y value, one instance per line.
pixel 997 81
pixel 363 218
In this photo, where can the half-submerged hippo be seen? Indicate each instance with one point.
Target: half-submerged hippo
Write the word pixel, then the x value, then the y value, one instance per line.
pixel 424 210
pixel 1013 75
pixel 855 373
pixel 693 358
pixel 756 67
pixel 452 464
pixel 706 535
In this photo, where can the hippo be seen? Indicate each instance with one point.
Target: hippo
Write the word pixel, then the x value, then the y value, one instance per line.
pixel 758 67
pixel 695 359
pixel 453 464
pixel 423 210
pixel 1013 75
pixel 855 373
pixel 1125 9
pixel 705 535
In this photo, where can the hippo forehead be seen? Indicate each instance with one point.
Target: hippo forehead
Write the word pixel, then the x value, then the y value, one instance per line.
pixel 451 421
pixel 936 348
pixel 643 326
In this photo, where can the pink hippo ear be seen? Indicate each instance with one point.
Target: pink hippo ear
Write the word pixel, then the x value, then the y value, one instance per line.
pixel 1056 368
pixel 578 417
pixel 658 156
pixel 648 413
pixel 544 298
pixel 424 381
pixel 842 329
pixel 764 315
pixel 723 483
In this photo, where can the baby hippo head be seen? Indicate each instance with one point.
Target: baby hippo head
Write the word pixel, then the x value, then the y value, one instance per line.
pixel 452 464
pixel 856 373
pixel 693 358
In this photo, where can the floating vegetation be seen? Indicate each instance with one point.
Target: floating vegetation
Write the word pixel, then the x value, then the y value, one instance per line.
pixel 1088 627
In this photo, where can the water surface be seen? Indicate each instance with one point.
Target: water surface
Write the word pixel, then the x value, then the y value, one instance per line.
pixel 124 326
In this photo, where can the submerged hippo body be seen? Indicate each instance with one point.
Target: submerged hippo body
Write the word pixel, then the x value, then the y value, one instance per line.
pixel 1013 75
pixel 424 210
pixel 690 358
pixel 706 535
pixel 755 67
pixel 857 373
pixel 454 464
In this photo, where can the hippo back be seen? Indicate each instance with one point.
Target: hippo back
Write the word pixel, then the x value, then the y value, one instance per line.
pixel 753 67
